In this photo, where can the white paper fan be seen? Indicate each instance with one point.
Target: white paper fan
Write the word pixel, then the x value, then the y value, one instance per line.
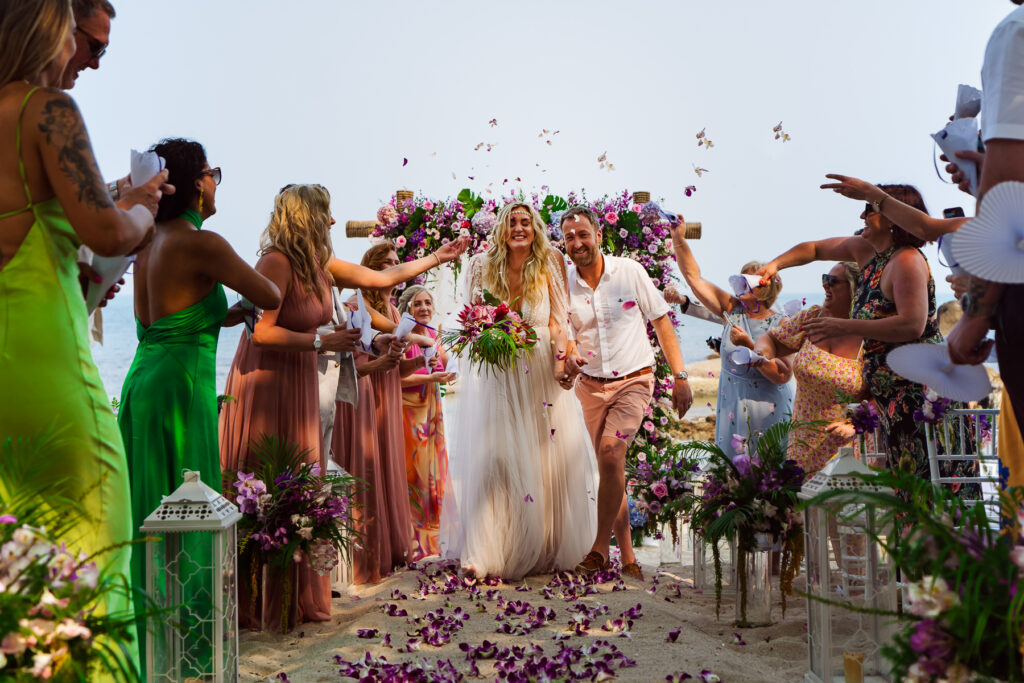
pixel 929 364
pixel 744 356
pixel 742 284
pixel 792 307
pixel 991 245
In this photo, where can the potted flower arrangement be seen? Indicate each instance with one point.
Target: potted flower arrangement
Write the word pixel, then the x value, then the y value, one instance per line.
pixel 490 334
pixel 49 594
pixel 660 488
pixel 290 511
pixel 963 619
pixel 751 499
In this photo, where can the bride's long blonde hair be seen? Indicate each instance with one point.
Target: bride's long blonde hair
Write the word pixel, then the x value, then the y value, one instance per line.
pixel 536 271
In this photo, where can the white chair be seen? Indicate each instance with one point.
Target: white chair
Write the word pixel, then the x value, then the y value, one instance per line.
pixel 963 428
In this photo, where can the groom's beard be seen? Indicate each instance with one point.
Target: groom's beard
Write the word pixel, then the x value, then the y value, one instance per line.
pixel 584 258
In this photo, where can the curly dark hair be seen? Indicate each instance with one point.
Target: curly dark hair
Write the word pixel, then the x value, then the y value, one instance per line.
pixel 908 194
pixel 185 161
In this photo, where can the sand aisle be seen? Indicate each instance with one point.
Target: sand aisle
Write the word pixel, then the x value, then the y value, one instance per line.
pixel 774 653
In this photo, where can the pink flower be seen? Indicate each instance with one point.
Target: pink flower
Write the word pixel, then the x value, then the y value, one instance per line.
pixel 648 425
pixel 659 489
pixel 739 443
pixel 400 241
pixel 428 205
pixel 611 218
pixel 636 208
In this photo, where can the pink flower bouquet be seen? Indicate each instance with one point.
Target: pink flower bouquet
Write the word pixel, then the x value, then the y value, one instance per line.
pixel 491 334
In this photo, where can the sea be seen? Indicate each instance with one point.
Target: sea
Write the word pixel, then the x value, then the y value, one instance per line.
pixel 114 356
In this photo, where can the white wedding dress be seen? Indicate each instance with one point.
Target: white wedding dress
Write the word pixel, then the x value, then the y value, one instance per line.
pixel 522 477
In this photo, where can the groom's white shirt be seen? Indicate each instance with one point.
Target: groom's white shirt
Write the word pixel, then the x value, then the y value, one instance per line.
pixel 608 323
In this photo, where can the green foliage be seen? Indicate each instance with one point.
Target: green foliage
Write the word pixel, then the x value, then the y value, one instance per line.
pixel 932 533
pixel 551 204
pixel 470 202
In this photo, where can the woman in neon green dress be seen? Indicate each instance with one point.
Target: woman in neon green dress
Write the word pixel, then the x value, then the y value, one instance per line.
pixel 168 414
pixel 52 199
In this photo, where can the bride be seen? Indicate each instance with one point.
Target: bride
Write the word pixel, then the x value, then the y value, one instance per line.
pixel 522 486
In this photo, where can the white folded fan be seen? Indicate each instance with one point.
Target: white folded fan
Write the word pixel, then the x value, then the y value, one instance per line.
pixel 144 165
pixel 792 307
pixel 991 245
pixel 360 320
pixel 744 284
pixel 929 364
pixel 968 102
pixel 453 364
pixel 405 326
pixel 745 356
pixel 958 136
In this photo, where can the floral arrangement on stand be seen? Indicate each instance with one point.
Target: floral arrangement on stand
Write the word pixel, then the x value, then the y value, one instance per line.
pixel 490 334
pixel 964 613
pixel 660 488
pixel 639 232
pixel 291 511
pixel 49 593
pixel 755 493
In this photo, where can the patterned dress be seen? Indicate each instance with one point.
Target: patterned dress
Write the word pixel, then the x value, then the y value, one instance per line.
pixel 819 376
pixel 897 398
pixel 426 459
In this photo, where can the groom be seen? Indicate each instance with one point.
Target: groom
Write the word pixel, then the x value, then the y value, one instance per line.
pixel 609 299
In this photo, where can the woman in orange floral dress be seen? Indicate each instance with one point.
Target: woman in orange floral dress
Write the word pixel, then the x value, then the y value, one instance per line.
pixel 823 371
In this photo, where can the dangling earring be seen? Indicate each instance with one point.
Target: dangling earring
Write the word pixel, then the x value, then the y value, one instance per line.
pixel 200 202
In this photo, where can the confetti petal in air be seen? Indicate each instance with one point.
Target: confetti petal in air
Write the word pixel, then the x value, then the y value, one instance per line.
pixel 405 161
pixel 699 171
pixel 529 498
pixel 478 147
pixel 689 190
pixel 626 305
pixel 493 122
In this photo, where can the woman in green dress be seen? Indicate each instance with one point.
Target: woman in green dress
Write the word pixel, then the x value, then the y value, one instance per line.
pixel 53 199
pixel 168 414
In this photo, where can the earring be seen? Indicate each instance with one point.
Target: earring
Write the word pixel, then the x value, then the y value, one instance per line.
pixel 200 201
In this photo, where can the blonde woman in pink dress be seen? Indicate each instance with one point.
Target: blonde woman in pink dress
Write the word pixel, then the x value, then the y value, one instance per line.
pixel 823 371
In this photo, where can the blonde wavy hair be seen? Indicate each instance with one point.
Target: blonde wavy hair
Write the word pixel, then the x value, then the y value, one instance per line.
pixel 409 294
pixel 299 228
pixel 32 34
pixel 374 260
pixel 535 275
pixel 766 294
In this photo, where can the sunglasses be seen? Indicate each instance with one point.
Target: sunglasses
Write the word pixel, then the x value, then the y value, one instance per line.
pixel 869 209
pixel 213 173
pixel 97 48
pixel 828 280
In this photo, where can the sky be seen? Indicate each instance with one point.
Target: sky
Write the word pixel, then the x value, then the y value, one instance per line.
pixel 340 93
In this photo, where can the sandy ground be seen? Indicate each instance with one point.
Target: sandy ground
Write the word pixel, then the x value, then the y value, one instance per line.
pixel 666 599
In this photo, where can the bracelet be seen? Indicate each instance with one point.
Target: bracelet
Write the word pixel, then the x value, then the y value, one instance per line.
pixel 878 204
pixel 438 259
pixel 115 194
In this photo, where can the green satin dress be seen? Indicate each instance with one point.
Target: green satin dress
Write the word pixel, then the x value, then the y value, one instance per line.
pixel 168 419
pixel 48 379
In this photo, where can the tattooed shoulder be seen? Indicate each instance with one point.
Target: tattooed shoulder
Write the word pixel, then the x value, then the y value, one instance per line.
pixel 61 123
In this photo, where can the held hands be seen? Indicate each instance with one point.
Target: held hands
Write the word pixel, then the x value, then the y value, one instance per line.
pixel 674 296
pixel 767 272
pixel 573 367
pixel 967 343
pixel 841 428
pixel 441 377
pixel 147 195
pixel 956 175
pixel 342 339
pixel 740 338
pixel 452 250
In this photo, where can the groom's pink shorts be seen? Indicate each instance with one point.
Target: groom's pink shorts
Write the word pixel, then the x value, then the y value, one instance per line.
pixel 615 409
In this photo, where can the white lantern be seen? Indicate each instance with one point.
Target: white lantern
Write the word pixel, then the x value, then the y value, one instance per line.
pixel 843 644
pixel 191 573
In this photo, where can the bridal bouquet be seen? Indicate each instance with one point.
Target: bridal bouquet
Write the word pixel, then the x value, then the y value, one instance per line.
pixel 490 334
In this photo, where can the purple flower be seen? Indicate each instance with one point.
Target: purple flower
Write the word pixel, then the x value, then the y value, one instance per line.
pixel 8 519
pixel 738 443
pixel 935 646
pixel 742 463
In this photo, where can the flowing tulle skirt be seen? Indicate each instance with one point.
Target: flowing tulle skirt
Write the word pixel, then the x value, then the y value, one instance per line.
pixel 522 493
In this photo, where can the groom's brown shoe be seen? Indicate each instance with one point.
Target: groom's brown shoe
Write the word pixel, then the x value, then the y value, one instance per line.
pixel 592 564
pixel 632 570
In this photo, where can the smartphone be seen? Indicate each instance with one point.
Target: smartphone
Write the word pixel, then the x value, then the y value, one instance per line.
pixel 954 212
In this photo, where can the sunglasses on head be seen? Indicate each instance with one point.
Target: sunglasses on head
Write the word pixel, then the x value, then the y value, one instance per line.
pixel 213 173
pixel 97 48
pixel 829 280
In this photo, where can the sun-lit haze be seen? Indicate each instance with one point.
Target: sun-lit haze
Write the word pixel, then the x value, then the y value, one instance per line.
pixel 340 93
